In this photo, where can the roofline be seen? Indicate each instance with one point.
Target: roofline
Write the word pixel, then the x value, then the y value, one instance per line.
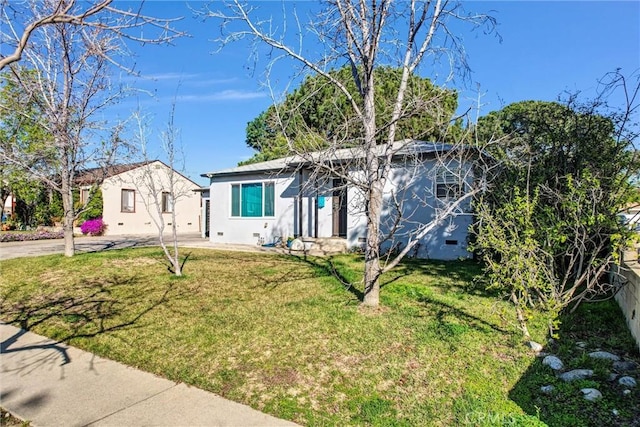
pixel 290 163
pixel 248 172
pixel 149 162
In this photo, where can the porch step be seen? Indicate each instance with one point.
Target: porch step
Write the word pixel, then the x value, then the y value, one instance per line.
pixel 325 245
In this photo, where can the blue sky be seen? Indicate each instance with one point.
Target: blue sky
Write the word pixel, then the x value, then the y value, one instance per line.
pixel 546 48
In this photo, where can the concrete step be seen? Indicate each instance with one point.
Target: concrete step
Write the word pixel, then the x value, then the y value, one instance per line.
pixel 325 245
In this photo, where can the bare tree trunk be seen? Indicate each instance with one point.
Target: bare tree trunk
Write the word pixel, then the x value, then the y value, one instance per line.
pixel 372 253
pixel 371 296
pixel 520 315
pixel 69 216
pixel 176 256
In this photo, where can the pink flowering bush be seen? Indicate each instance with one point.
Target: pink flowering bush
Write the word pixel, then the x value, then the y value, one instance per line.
pixel 93 227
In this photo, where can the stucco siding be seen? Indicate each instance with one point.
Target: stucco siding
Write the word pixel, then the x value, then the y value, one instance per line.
pixel 141 220
pixel 300 198
pixel 413 191
pixel 227 229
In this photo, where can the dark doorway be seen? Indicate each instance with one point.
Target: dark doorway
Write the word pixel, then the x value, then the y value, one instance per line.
pixel 339 208
pixel 207 216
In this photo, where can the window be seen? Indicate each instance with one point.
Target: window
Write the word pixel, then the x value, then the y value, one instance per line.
pixel 84 195
pixel 167 202
pixel 253 200
pixel 448 186
pixel 128 201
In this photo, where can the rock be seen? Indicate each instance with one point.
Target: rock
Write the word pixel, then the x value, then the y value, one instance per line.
pixel 615 412
pixel 626 392
pixel 627 381
pixel 591 394
pixel 576 374
pixel 604 355
pixel 553 362
pixel 624 365
pixel 612 377
pixel 547 389
pixel 297 245
pixel 581 344
pixel 535 346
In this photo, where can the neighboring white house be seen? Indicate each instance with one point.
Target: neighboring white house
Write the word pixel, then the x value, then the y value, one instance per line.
pixel 272 200
pixel 9 206
pixel 128 204
pixel 630 215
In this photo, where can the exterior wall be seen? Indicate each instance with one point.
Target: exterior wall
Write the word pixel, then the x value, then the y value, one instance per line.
pixel 241 230
pixel 415 187
pixel 286 222
pixel 628 297
pixel 187 204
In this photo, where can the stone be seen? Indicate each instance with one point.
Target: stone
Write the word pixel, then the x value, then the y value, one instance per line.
pixel 553 362
pixel 615 412
pixel 547 389
pixel 612 377
pixel 604 355
pixel 581 344
pixel 297 245
pixel 624 365
pixel 537 347
pixel 627 381
pixel 626 392
pixel 591 394
pixel 576 374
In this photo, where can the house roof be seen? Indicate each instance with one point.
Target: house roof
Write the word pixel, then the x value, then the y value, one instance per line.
pixel 93 175
pixel 90 176
pixel 400 148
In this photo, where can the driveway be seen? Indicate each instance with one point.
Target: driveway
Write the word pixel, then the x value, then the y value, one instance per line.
pixel 10 250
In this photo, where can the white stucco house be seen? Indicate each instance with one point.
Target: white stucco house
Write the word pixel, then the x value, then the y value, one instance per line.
pixel 133 192
pixel 264 202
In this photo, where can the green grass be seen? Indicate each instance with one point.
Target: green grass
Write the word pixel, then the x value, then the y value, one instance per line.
pixel 285 336
pixel 597 326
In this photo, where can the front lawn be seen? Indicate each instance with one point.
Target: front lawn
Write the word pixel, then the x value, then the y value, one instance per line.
pixel 285 336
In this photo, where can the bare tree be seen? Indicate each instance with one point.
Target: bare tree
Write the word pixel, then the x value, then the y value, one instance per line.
pixel 69 49
pixel 162 186
pixel 365 35
pixel 24 19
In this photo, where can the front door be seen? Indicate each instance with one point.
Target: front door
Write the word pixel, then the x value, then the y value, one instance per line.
pixel 339 208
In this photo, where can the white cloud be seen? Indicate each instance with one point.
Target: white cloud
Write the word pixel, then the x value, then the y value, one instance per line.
pixel 225 95
pixel 169 76
pixel 212 82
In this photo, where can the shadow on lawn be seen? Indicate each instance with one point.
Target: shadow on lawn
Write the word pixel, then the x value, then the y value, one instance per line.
pixel 328 267
pixel 594 326
pixel 452 275
pixel 82 310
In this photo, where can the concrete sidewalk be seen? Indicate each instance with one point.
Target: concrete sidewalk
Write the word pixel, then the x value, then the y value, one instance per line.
pixel 53 384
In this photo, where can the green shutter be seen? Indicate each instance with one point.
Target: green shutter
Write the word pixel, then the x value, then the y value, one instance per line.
pixel 252 200
pixel 269 197
pixel 235 200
